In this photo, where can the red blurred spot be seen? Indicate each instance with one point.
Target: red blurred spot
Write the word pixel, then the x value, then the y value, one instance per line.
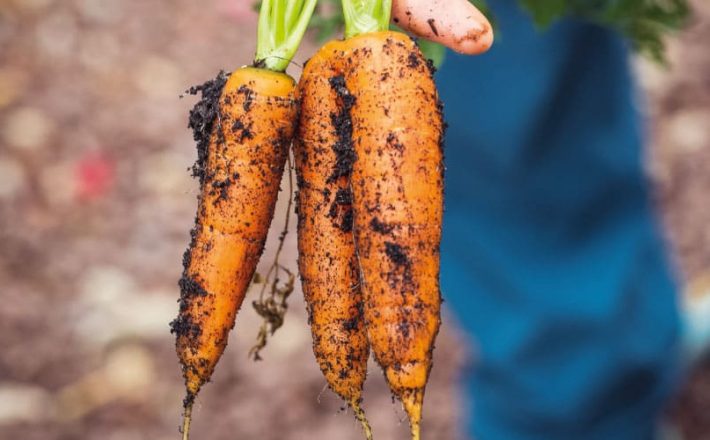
pixel 95 174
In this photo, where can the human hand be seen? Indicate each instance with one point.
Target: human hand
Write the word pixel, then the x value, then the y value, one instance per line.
pixel 456 24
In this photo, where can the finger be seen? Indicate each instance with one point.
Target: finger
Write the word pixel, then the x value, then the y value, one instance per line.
pixel 456 24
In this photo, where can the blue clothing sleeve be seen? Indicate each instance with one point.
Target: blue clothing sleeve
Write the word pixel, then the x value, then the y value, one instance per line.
pixel 551 256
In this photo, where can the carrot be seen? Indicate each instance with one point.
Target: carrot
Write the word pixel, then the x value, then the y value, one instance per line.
pixel 397 186
pixel 327 264
pixel 396 182
pixel 243 126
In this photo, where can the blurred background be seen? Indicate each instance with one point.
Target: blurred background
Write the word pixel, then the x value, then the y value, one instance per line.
pixel 96 203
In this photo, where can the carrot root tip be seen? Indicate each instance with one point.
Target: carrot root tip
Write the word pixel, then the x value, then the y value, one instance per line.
pixel 412 402
pixel 415 432
pixel 360 416
pixel 187 417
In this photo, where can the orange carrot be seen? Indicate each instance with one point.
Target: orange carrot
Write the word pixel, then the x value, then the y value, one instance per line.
pixel 397 186
pixel 241 169
pixel 244 126
pixel 327 263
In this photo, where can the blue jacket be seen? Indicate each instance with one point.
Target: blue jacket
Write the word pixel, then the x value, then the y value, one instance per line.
pixel 551 257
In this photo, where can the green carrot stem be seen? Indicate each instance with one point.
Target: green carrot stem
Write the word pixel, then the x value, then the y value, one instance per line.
pixel 282 24
pixel 363 16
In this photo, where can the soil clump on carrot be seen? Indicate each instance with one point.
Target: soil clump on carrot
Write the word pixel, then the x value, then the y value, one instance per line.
pixel 203 116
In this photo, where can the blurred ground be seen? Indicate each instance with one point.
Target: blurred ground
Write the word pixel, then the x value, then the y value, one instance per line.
pixel 96 205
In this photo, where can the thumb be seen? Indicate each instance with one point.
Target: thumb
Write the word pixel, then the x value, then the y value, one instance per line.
pixel 456 24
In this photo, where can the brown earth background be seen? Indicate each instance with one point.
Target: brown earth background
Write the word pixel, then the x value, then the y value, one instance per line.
pixel 96 204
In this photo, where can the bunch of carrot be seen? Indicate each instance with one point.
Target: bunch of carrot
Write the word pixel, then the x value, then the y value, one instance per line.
pixel 367 131
pixel 370 173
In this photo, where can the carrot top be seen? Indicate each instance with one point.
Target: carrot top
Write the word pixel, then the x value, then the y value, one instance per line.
pixel 363 16
pixel 282 24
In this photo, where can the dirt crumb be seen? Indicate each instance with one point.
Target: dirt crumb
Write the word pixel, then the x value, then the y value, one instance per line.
pixel 413 60
pixel 432 26
pixel 396 253
pixel 380 227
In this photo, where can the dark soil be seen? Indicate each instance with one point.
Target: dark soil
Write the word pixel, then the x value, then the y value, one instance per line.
pixel 396 253
pixel 345 153
pixel 202 118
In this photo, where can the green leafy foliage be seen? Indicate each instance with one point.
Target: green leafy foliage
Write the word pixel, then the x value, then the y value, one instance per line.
pixel 645 23
pixel 544 12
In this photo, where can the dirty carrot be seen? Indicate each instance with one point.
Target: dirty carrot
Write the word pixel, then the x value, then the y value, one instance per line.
pixel 243 126
pixel 397 187
pixel 327 263
pixel 397 191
